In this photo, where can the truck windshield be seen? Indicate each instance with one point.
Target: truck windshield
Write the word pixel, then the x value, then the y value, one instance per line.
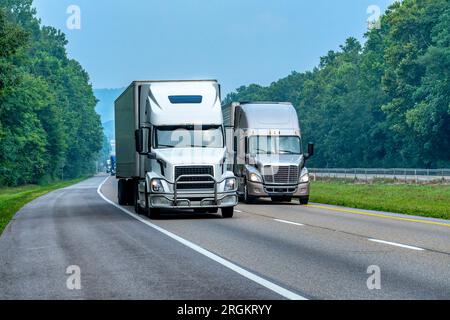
pixel 189 137
pixel 275 145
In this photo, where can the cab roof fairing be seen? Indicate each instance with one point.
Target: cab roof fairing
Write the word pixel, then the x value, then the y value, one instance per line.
pixel 160 111
pixel 269 116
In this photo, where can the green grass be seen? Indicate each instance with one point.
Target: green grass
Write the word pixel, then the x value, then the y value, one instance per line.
pixel 12 199
pixel 420 200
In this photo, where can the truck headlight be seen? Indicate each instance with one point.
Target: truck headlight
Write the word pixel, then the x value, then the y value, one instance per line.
pixel 254 177
pixel 157 186
pixel 304 177
pixel 230 184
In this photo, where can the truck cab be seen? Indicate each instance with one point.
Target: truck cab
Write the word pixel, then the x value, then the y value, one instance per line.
pixel 265 143
pixel 170 148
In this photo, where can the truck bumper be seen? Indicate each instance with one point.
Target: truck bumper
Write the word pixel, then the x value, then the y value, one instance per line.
pixel 192 201
pixel 261 190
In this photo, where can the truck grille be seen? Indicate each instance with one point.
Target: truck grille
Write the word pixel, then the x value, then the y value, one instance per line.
pixel 281 174
pixel 194 183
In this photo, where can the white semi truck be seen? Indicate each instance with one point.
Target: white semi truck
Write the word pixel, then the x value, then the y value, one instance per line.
pixel 264 140
pixel 170 148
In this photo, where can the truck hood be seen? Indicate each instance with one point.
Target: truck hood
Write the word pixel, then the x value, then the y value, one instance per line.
pixel 279 160
pixel 191 156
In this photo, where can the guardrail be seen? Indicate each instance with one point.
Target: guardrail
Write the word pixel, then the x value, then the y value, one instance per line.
pixel 407 175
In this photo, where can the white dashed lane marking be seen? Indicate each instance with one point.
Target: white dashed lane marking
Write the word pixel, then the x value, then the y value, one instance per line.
pixel 397 244
pixel 289 222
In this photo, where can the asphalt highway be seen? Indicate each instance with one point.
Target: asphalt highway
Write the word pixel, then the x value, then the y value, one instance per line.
pixel 268 251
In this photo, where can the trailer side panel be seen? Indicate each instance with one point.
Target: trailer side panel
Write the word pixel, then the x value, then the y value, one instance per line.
pixel 125 119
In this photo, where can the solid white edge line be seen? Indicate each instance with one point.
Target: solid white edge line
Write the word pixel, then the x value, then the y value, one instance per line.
pixel 247 274
pixel 238 211
pixel 397 244
pixel 289 222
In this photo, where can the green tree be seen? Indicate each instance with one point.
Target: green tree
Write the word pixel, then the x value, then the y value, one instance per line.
pixel 48 125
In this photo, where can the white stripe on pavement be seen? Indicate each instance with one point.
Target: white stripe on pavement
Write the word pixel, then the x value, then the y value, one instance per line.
pixel 289 222
pixel 397 244
pixel 247 274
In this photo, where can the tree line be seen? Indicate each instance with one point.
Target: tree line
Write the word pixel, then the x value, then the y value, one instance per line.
pixel 385 103
pixel 48 125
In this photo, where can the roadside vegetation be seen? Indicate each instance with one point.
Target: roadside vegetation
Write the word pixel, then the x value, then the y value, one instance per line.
pixel 48 125
pixel 427 200
pixel 12 199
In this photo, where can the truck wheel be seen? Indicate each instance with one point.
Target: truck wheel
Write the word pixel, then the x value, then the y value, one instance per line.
pixel 137 206
pixel 153 213
pixel 247 198
pixel 130 193
pixel 121 194
pixel 228 212
pixel 304 201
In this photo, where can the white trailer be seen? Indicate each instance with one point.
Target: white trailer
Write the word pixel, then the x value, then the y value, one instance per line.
pixel 170 148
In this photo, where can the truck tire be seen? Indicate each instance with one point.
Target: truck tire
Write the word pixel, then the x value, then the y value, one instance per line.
pixel 137 207
pixel 228 212
pixel 121 194
pixel 131 189
pixel 153 213
pixel 304 201
pixel 247 198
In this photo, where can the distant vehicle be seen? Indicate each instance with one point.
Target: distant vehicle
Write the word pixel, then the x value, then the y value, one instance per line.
pixel 266 147
pixel 113 165
pixel 170 148
pixel 108 166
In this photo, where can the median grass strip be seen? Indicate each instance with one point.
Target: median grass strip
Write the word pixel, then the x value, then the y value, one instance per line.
pixel 420 200
pixel 13 199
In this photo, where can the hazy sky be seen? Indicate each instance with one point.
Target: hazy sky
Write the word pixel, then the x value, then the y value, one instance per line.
pixel 235 41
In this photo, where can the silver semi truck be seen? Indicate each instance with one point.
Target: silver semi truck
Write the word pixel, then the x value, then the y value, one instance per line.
pixel 264 141
pixel 170 148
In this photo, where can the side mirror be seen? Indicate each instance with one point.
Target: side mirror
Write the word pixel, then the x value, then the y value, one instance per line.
pixel 250 159
pixel 142 137
pixel 310 151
